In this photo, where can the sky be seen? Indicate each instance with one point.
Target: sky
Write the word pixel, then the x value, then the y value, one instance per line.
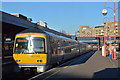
pixel 68 16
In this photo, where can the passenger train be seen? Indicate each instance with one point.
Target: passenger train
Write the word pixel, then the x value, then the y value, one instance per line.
pixel 40 49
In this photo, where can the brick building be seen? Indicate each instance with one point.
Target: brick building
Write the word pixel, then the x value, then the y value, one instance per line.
pixel 86 31
pixel 109 28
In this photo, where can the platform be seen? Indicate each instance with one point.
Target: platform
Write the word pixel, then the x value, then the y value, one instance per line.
pixel 90 65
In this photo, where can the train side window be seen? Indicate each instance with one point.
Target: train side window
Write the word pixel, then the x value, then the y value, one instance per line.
pixel 67 50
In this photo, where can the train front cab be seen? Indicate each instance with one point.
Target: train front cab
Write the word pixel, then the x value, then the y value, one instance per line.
pixel 30 51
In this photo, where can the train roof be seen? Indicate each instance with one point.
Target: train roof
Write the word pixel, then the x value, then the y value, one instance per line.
pixel 48 32
pixel 32 30
pixel 59 36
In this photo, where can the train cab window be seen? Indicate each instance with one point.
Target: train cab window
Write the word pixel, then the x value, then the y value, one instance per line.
pixel 38 44
pixel 20 45
pixel 30 45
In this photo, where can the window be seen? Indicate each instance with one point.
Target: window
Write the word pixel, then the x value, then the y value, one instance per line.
pixel 30 45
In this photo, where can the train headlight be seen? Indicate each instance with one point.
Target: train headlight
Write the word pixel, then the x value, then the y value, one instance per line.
pixel 18 60
pixel 39 60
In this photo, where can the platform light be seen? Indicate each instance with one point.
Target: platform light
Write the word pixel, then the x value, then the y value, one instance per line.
pixel 8 39
pixel 104 12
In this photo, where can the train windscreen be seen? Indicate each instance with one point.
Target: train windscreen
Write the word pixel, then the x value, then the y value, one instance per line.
pixel 30 45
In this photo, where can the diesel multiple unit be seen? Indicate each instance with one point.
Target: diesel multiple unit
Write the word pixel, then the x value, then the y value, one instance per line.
pixel 39 49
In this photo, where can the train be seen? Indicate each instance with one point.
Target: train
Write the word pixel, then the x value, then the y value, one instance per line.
pixel 39 49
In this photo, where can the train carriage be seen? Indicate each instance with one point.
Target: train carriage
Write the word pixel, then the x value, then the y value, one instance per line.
pixel 35 48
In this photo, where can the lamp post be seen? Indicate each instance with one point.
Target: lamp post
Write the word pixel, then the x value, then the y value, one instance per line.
pixel 106 36
pixel 104 12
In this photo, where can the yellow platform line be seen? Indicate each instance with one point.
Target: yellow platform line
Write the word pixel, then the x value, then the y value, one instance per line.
pixel 52 74
pixel 55 73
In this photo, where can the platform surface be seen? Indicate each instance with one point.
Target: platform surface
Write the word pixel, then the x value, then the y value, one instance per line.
pixel 90 65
